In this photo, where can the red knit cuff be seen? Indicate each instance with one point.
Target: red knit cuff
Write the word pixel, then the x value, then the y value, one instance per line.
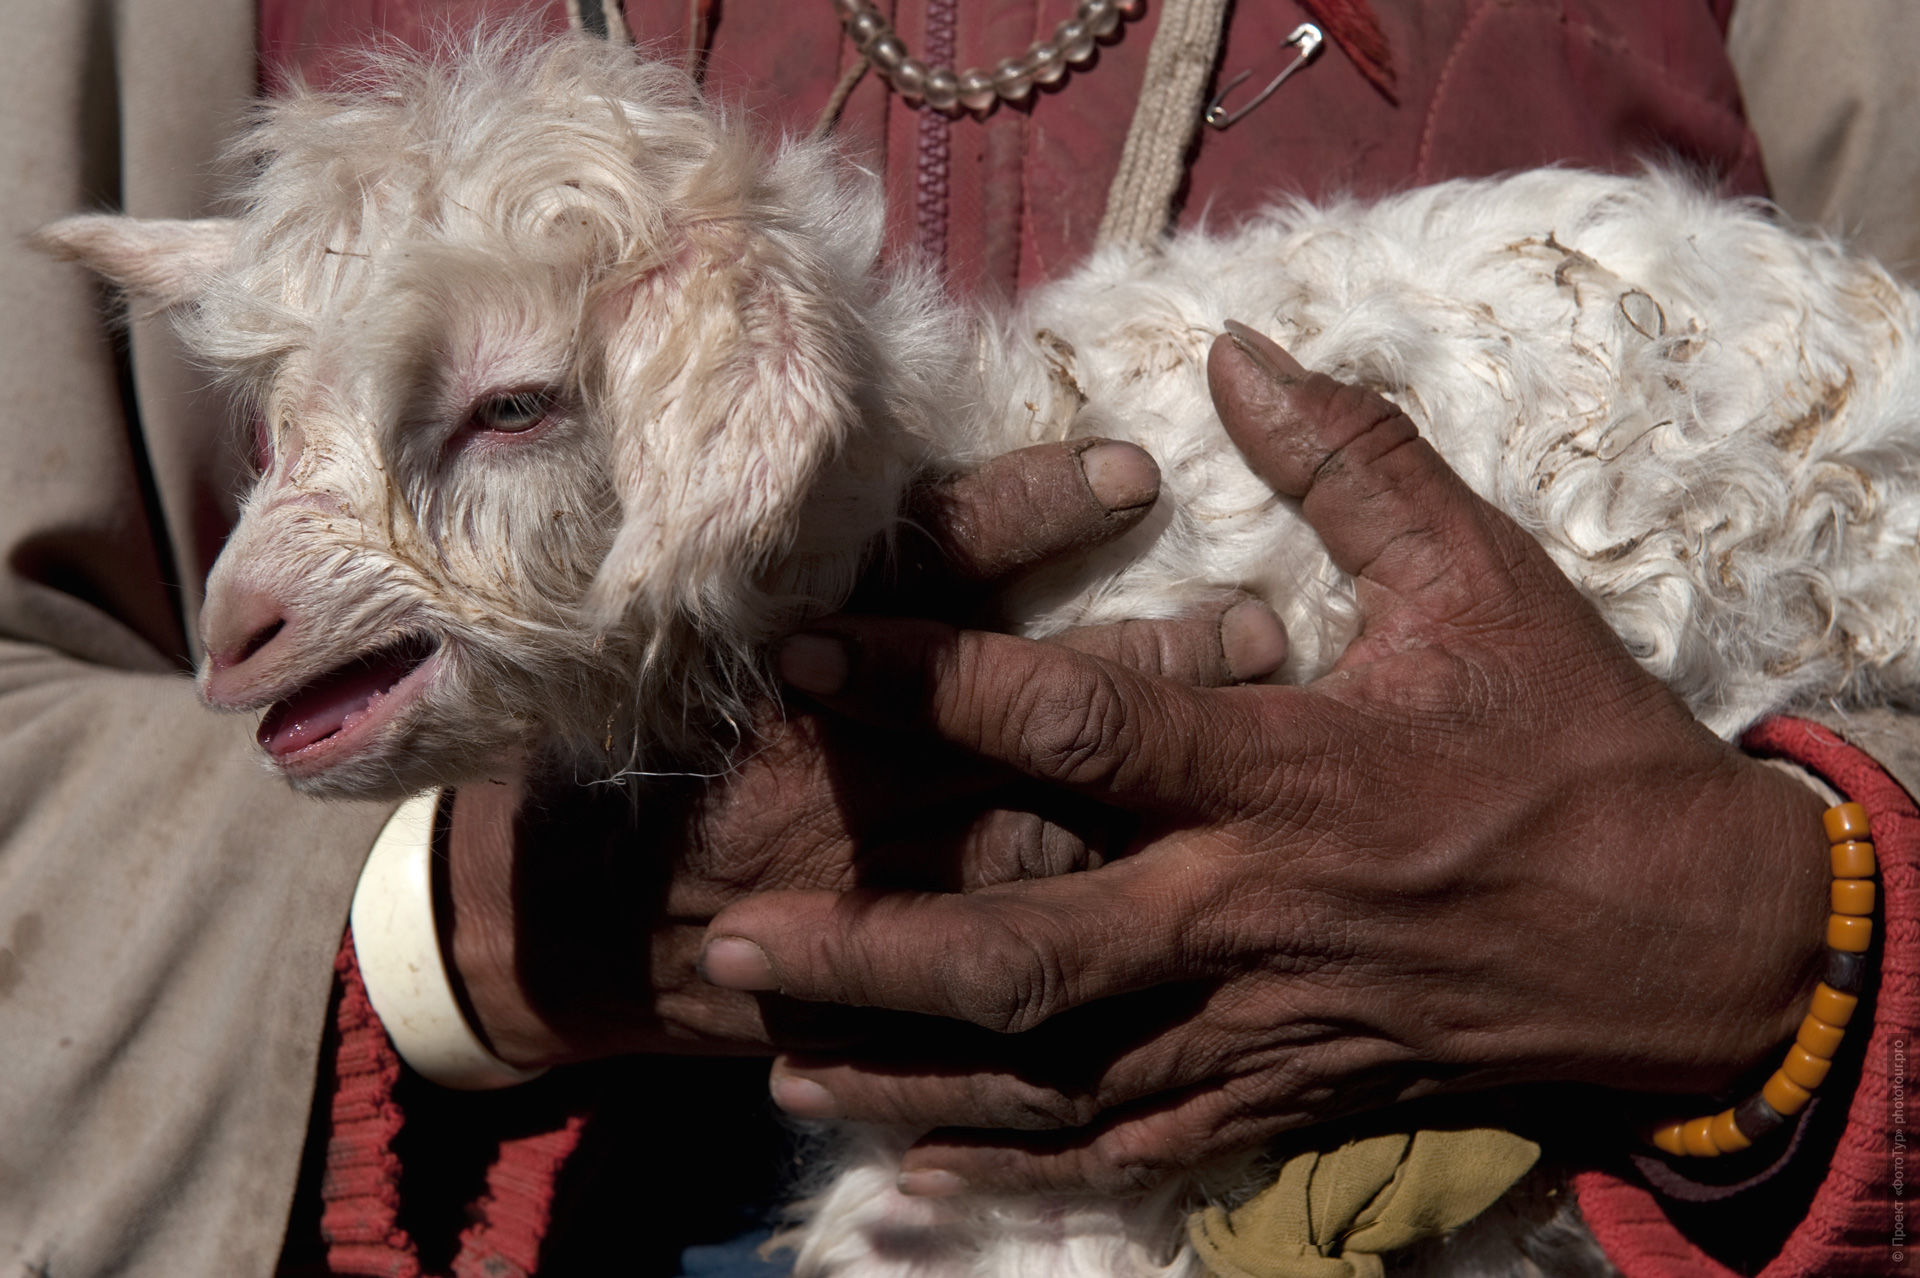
pixel 1849 1228
pixel 361 1216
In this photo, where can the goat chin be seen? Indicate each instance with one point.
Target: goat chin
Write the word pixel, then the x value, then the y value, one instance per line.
pixel 1708 420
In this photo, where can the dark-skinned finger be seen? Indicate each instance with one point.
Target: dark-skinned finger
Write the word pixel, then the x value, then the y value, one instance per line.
pixel 966 533
pixel 1066 1073
pixel 1235 641
pixel 691 1016
pixel 1047 712
pixel 1208 1123
pixel 1036 504
pixel 1390 510
pixel 916 1096
pixel 1006 845
pixel 1007 958
pixel 1126 1152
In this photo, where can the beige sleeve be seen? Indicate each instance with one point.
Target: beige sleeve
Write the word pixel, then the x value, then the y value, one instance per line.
pixel 1831 87
pixel 168 911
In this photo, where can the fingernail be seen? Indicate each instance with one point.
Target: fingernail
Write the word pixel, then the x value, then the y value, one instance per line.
pixel 813 663
pixel 1121 476
pixel 803 1098
pixel 1252 640
pixel 735 963
pixel 929 1182
pixel 1265 353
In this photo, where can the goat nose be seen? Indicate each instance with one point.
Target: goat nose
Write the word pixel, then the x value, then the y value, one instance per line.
pixel 238 624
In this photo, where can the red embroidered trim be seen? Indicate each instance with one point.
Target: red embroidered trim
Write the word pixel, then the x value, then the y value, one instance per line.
pixel 518 1205
pixel 360 1221
pixel 361 1189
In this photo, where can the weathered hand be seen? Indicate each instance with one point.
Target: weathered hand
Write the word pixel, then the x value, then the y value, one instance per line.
pixel 576 923
pixel 1487 847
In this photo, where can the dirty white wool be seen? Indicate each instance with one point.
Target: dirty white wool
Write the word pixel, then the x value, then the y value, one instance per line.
pixel 1708 420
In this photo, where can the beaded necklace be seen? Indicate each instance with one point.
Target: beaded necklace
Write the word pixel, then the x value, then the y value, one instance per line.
pixel 979 88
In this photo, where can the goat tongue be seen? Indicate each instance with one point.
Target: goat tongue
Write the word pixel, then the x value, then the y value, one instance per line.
pixel 333 701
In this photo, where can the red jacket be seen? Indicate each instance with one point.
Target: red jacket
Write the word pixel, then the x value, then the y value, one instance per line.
pixel 1434 90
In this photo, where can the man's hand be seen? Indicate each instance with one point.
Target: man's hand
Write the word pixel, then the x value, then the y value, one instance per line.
pixel 1487 847
pixel 578 915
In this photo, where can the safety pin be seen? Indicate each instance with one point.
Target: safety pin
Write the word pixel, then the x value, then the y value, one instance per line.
pixel 1306 37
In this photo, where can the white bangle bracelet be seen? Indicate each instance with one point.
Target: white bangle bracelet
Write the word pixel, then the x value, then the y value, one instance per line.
pixel 397 944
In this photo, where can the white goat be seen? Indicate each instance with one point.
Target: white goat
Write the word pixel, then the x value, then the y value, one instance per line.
pixel 574 396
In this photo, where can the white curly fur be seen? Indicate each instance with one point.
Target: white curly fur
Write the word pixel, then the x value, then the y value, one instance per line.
pixel 1708 420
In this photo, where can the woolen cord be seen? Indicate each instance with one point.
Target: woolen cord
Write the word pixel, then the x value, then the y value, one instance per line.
pixel 1173 95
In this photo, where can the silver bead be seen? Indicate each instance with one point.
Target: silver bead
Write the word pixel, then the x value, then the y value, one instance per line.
pixel 887 53
pixel 847 8
pixel 943 89
pixel 910 78
pixel 1101 16
pixel 976 89
pixel 1012 79
pixel 1075 40
pixel 864 27
pixel 1046 62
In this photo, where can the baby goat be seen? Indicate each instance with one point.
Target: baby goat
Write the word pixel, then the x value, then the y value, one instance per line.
pixel 572 396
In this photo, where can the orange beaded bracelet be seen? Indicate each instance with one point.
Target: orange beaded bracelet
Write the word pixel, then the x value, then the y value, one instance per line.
pixel 1849 933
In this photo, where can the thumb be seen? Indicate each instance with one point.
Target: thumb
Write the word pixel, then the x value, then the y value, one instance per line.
pixel 1391 512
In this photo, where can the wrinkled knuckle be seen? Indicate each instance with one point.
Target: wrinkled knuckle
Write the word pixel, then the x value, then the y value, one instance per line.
pixel 1366 427
pixel 1129 1159
pixel 1018 983
pixel 1075 734
pixel 1365 409
pixel 975 521
pixel 1143 647
pixel 1043 1109
pixel 1083 1109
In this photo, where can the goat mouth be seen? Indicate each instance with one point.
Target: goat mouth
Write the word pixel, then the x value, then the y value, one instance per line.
pixel 326 717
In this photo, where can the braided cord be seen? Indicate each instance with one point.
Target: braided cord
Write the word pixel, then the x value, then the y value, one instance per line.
pixel 1172 94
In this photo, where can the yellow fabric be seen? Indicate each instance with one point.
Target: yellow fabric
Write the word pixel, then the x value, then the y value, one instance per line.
pixel 1332 1213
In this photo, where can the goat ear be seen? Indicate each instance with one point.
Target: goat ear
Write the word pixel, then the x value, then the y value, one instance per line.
pixel 167 262
pixel 729 383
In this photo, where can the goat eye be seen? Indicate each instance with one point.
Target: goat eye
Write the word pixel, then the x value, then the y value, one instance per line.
pixel 512 414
